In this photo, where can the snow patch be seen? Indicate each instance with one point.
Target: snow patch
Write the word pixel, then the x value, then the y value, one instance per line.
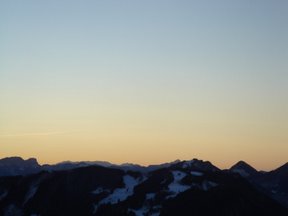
pixel 175 187
pixel 195 173
pixel 120 194
pixel 206 185
pixel 99 190
pixel 187 164
pixel 178 175
pixel 30 194
pixel 146 210
pixel 140 212
pixel 155 210
pixel 150 196
pixel 241 172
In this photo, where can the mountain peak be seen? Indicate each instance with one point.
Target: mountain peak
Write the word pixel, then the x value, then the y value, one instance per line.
pixel 18 166
pixel 17 159
pixel 196 164
pixel 32 160
pixel 243 169
pixel 11 159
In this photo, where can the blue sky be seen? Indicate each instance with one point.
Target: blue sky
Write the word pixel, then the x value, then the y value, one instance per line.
pixel 188 69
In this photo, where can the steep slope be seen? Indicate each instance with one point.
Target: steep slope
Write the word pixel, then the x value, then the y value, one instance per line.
pixel 276 183
pixel 232 198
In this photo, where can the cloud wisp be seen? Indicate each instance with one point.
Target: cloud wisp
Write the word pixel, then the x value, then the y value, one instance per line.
pixel 35 134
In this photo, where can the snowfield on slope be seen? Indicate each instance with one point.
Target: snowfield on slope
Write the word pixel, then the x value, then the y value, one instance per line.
pixel 176 187
pixel 119 194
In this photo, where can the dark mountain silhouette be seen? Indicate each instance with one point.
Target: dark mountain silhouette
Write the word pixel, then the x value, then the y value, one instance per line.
pixel 72 165
pixel 274 182
pixel 196 164
pixel 12 166
pixel 243 169
pixel 193 187
pixel 282 169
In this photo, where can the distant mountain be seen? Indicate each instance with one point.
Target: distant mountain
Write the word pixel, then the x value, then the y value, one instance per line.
pixel 182 188
pixel 12 166
pixel 243 169
pixel 196 165
pixel 125 166
pixel 66 165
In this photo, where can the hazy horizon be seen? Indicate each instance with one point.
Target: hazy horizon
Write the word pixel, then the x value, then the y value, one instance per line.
pixel 145 82
pixel 228 166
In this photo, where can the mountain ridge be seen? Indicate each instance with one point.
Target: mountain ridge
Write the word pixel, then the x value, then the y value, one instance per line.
pixel 98 190
pixel 88 188
pixel 23 164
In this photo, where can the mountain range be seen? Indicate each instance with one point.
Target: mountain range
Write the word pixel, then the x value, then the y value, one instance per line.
pixel 193 187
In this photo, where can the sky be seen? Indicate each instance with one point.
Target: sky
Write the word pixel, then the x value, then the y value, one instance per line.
pixel 145 81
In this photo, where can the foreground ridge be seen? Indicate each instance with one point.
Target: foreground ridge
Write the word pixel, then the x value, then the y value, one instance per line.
pixel 193 187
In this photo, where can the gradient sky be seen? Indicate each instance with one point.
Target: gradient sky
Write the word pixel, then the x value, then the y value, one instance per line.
pixel 145 81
